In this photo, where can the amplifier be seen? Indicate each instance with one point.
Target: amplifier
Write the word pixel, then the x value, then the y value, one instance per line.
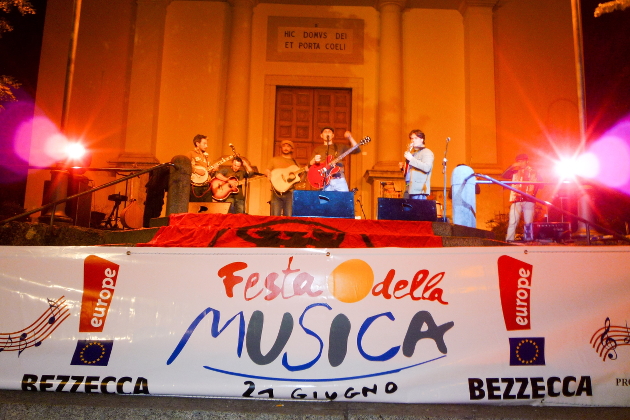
pixel 323 204
pixel 550 230
pixel 407 209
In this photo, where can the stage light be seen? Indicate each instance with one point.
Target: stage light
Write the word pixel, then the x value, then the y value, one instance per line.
pixel 585 166
pixel 75 151
pixel 566 168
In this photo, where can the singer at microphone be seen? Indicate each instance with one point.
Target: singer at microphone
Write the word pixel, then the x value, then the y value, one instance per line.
pixel 419 166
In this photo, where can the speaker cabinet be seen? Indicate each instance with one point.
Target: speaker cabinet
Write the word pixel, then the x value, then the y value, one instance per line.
pixel 556 231
pixel 407 209
pixel 208 207
pixel 323 204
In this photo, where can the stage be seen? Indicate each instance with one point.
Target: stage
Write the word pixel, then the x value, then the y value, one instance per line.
pixel 246 231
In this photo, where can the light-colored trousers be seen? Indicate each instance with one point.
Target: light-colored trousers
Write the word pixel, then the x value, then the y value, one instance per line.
pixel 527 208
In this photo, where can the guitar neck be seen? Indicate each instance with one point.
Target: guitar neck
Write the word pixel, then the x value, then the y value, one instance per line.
pixel 214 165
pixel 343 155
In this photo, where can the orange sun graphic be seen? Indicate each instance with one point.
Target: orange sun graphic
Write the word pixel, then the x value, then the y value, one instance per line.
pixel 351 281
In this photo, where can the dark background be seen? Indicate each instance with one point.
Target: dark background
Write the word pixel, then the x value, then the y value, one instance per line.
pixel 19 58
pixel 607 85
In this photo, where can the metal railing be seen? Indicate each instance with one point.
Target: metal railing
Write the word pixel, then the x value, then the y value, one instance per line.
pixel 54 204
pixel 586 222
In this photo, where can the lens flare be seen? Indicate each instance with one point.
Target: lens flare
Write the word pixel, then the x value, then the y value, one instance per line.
pixel 613 155
pixel 74 151
pixel 587 165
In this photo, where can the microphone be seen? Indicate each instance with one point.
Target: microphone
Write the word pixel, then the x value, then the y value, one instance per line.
pixel 448 139
pixel 383 183
pixel 230 145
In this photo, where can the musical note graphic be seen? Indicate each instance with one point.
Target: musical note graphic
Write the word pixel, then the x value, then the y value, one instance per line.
pixel 51 305
pixel 22 340
pixel 609 343
pixel 9 340
pixel 41 329
pixel 607 339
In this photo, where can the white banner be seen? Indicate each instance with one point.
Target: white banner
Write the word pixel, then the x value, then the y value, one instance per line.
pixel 504 325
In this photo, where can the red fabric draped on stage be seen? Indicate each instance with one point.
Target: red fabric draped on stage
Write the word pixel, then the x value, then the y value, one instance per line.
pixel 244 231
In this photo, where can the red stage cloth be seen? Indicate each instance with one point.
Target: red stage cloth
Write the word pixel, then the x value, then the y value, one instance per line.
pixel 244 231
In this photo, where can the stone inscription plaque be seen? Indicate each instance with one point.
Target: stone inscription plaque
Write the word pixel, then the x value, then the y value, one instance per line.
pixel 315 40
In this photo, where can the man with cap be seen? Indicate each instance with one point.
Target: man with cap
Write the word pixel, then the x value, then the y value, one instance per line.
pixel 521 171
pixel 282 202
pixel 338 181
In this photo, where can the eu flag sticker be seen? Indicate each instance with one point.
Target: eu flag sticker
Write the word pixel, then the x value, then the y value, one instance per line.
pixel 92 352
pixel 527 351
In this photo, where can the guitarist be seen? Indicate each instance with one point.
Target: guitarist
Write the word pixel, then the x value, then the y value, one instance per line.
pixel 330 149
pixel 282 202
pixel 238 171
pixel 200 162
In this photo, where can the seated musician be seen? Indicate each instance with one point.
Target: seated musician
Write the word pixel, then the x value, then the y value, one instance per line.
pixel 200 178
pixel 233 176
pixel 328 151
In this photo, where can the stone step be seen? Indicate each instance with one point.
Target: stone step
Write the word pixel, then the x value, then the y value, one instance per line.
pixel 39 234
pixel 63 406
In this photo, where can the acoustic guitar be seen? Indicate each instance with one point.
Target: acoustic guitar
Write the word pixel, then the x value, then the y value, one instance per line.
pixel 282 179
pixel 320 174
pixel 221 190
pixel 132 215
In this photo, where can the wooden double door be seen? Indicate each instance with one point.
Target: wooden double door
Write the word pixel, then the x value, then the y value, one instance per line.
pixel 302 112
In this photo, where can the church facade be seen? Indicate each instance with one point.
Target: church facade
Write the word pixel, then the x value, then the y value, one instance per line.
pixel 496 77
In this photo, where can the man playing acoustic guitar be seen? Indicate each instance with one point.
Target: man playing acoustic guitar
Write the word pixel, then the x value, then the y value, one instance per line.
pixel 282 201
pixel 232 176
pixel 323 154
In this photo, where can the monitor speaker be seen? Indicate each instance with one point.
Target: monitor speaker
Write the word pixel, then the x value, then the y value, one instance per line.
pixel 407 209
pixel 323 204
pixel 556 231
pixel 208 207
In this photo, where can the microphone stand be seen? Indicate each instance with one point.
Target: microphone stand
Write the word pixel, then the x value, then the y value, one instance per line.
pixel 354 190
pixel 444 218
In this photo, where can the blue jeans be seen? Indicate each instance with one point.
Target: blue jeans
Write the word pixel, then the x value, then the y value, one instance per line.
pixel 281 204
pixel 337 184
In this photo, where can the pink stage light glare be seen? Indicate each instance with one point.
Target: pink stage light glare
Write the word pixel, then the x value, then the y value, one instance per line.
pixel 613 154
pixel 46 142
pixel 585 166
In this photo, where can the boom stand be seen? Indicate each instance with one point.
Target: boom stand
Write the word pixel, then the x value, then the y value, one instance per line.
pixel 444 218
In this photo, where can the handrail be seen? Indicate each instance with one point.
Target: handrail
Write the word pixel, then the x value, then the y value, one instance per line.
pixel 93 190
pixel 588 223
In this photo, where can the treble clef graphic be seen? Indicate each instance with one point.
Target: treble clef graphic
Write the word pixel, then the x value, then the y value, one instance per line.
pixel 607 342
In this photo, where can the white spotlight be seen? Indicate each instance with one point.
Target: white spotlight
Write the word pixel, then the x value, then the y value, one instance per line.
pixel 75 151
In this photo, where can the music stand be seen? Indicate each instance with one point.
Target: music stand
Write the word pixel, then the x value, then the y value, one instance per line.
pixel 112 220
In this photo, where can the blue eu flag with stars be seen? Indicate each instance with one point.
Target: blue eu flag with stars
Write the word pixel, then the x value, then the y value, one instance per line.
pixel 527 351
pixel 92 352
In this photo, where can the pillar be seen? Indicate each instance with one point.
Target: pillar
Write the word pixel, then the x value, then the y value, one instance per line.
pixel 238 77
pixel 481 127
pixel 390 141
pixel 144 88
